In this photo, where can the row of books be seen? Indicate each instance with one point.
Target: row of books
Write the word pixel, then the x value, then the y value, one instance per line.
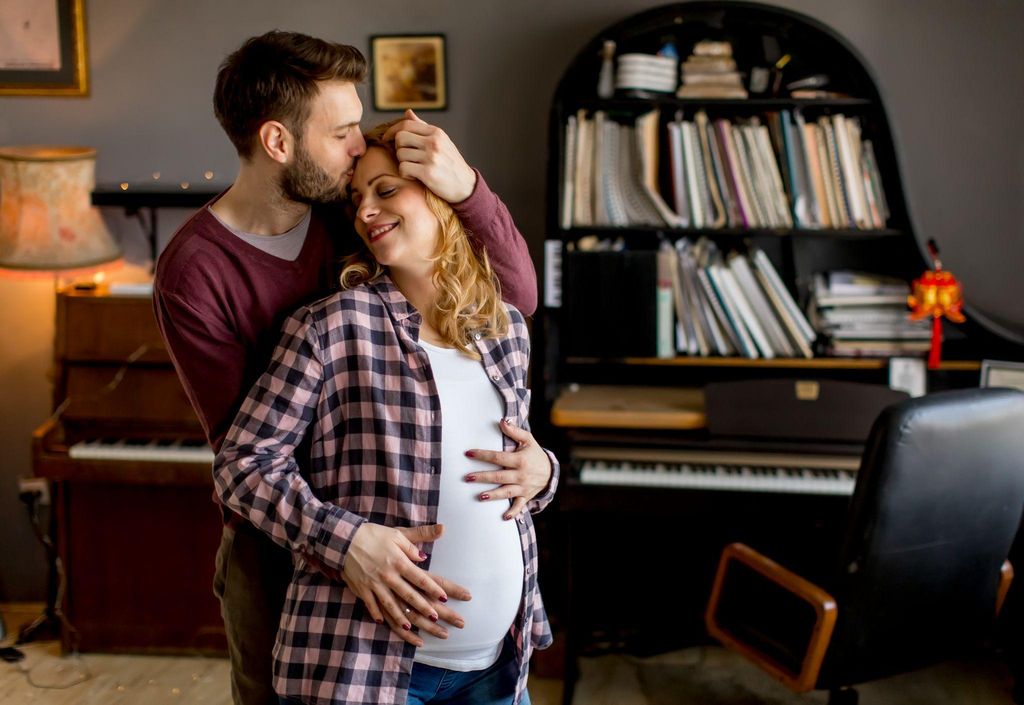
pixel 780 173
pixel 861 314
pixel 726 305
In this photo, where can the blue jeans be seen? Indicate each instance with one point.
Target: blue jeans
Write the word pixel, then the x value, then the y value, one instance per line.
pixel 439 686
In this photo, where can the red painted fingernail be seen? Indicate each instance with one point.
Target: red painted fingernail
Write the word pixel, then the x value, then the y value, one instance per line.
pixel 443 598
pixel 407 627
pixel 471 478
pixel 485 496
pixel 379 621
pixel 433 618
pixel 422 554
pixel 470 454
pixel 507 517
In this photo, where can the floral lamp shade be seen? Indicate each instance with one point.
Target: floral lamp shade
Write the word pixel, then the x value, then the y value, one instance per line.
pixel 47 221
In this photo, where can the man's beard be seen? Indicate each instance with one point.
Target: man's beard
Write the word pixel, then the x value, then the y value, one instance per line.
pixel 304 181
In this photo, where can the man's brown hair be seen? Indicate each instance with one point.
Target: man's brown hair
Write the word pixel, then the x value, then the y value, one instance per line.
pixel 274 77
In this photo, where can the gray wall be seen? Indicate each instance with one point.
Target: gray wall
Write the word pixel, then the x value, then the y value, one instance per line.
pixel 951 73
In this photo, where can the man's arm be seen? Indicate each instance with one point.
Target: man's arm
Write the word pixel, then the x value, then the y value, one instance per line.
pixel 426 153
pixel 491 227
pixel 206 355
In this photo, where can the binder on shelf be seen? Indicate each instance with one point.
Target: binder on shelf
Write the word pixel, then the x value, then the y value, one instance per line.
pixel 583 213
pixel 686 341
pixel 677 162
pixel 820 207
pixel 762 308
pixel 610 304
pixel 647 141
pixel 568 173
pixel 664 323
pixel 746 346
pixel 750 320
pixel 765 266
pixel 711 171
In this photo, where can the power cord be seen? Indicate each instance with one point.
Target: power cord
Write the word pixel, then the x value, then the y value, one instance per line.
pixel 49 623
pixel 53 618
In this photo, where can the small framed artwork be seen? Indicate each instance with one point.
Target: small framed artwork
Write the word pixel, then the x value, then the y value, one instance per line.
pixel 998 373
pixel 42 48
pixel 409 71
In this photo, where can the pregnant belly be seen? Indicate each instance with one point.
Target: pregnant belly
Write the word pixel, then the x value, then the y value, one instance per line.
pixel 488 560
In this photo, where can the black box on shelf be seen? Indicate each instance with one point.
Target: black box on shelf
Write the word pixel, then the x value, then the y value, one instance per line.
pixel 610 304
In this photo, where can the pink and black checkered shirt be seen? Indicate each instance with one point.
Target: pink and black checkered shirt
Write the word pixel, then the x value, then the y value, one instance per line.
pixel 350 370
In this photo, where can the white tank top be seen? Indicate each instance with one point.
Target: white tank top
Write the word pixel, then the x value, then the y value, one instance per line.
pixel 479 549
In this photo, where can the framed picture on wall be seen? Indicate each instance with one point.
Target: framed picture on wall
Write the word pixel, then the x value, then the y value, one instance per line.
pixel 42 48
pixel 408 71
pixel 999 373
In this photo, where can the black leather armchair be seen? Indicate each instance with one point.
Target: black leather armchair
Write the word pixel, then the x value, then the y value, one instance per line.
pixel 922 570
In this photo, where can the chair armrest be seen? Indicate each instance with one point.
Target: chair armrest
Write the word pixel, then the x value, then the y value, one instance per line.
pixel 1005 578
pixel 784 618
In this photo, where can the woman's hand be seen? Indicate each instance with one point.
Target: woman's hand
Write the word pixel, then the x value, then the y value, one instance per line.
pixel 379 568
pixel 526 474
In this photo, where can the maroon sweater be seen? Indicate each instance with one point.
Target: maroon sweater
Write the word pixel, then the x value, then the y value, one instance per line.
pixel 220 302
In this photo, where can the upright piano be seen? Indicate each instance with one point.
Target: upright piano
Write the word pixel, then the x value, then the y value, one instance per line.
pixel 137 530
pixel 657 480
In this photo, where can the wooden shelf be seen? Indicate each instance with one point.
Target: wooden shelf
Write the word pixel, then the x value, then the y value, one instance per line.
pixel 845 233
pixel 818 363
pixel 669 101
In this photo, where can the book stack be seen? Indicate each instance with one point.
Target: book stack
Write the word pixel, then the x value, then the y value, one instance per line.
pixel 734 305
pixel 710 72
pixel 865 315
pixel 773 173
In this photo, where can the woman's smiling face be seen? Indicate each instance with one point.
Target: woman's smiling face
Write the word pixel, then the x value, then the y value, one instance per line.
pixel 392 216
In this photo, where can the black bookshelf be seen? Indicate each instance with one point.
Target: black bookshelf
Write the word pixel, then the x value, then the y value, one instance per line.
pixel 796 254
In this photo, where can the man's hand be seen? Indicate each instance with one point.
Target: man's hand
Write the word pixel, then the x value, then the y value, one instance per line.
pixel 426 153
pixel 379 569
pixel 527 473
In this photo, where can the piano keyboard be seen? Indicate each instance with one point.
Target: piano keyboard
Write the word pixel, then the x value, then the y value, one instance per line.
pixel 742 472
pixel 166 451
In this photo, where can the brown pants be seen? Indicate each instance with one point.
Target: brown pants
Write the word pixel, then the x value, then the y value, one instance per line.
pixel 251 578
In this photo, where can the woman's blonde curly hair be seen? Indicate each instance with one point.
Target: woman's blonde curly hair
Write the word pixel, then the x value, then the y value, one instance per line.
pixel 469 298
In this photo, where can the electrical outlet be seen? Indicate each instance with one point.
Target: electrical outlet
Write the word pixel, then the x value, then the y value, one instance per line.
pixel 33 485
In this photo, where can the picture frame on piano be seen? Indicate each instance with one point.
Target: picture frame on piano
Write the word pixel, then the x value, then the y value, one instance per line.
pixel 1002 373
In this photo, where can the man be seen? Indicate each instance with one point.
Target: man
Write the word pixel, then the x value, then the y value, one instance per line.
pixel 269 244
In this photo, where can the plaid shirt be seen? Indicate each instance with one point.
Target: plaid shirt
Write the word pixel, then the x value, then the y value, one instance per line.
pixel 350 369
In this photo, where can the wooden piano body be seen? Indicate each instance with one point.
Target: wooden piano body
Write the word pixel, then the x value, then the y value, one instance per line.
pixel 137 537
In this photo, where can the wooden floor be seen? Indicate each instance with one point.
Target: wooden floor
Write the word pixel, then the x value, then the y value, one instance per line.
pixel 47 678
pixel 696 676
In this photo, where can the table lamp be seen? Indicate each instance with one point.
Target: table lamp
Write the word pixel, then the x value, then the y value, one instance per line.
pixel 47 222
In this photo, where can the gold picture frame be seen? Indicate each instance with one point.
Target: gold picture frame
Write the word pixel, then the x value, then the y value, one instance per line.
pixel 42 48
pixel 409 71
